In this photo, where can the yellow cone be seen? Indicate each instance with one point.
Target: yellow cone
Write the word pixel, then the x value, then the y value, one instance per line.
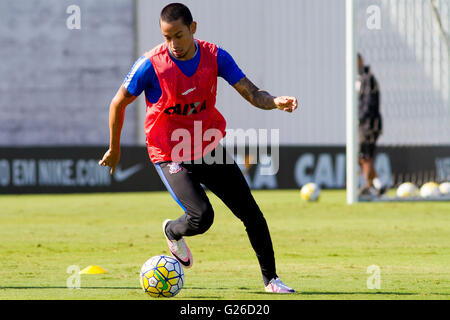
pixel 93 270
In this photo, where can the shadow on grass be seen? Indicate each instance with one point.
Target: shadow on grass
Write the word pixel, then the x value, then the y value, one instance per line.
pixel 331 293
pixel 106 287
pixel 62 287
pixel 363 292
pixel 248 290
pixel 380 293
pixel 251 290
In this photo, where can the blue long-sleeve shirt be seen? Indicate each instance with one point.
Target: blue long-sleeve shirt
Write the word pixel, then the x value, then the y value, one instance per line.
pixel 142 76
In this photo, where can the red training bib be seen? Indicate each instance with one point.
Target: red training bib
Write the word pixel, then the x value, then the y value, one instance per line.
pixel 184 124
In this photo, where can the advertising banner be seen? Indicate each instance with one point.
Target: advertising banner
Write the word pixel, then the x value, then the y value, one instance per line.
pixel 76 169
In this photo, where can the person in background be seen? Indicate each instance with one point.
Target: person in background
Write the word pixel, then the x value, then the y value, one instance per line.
pixel 369 129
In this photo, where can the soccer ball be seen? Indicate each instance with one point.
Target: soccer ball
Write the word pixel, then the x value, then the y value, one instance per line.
pixel 445 188
pixel 310 192
pixel 430 190
pixel 406 190
pixel 162 276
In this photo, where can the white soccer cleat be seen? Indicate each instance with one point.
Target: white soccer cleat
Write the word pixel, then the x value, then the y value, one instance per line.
pixel 277 286
pixel 179 249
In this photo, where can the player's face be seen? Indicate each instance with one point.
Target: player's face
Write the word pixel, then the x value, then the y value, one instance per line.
pixel 180 38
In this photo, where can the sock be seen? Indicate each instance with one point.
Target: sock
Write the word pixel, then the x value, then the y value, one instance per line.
pixel 266 280
pixel 377 183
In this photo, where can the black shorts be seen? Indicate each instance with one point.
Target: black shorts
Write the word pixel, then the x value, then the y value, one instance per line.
pixel 367 142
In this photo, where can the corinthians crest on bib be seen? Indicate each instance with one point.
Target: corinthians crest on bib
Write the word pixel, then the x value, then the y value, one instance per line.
pixel 174 167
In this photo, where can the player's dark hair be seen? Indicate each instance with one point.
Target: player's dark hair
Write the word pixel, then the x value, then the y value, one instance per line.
pixel 175 11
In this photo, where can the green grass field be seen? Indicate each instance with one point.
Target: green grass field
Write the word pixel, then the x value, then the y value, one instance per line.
pixel 322 249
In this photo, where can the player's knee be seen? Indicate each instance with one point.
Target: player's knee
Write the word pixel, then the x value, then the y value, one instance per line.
pixel 203 220
pixel 205 224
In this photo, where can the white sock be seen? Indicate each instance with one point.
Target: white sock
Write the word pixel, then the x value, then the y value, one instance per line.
pixel 377 183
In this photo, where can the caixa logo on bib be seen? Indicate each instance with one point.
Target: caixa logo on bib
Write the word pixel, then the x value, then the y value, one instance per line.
pixel 187 109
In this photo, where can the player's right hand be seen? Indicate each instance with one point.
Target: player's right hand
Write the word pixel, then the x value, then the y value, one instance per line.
pixel 110 159
pixel 285 103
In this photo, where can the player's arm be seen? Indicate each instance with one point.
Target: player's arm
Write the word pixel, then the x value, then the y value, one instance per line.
pixel 262 99
pixel 134 84
pixel 116 117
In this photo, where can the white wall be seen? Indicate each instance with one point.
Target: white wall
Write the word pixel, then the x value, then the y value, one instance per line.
pixel 56 83
pixel 411 62
pixel 291 47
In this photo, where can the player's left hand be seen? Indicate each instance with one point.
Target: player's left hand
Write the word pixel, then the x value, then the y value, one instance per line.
pixel 286 103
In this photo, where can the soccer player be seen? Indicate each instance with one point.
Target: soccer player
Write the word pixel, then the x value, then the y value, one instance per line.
pixel 179 78
pixel 370 126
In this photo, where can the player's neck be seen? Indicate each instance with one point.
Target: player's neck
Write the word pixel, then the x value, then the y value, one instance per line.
pixel 188 56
